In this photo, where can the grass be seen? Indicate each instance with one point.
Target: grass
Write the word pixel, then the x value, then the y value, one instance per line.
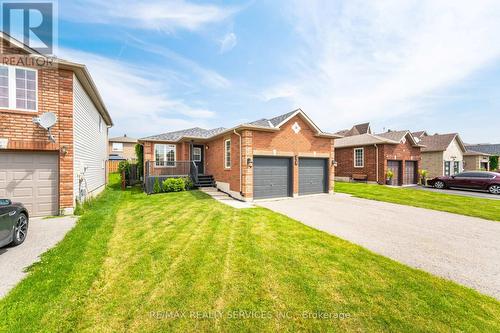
pixel 477 207
pixel 184 262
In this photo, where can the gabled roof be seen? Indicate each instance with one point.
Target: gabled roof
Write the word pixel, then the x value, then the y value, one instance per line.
pixel 363 140
pixel 124 139
pixel 264 124
pixel 440 142
pixel 419 134
pixel 391 138
pixel 491 149
pixel 399 136
pixel 356 130
pixel 80 71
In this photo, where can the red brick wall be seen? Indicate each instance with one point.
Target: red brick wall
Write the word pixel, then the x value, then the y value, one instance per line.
pixel 401 152
pixel 214 161
pixel 55 94
pixel 288 143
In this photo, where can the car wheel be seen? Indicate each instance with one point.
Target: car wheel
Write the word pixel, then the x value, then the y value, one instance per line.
pixel 494 189
pixel 20 230
pixel 439 185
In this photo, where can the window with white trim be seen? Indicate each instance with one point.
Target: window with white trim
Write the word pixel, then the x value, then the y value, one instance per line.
pixel 359 157
pixel 165 155
pixel 227 153
pixel 117 146
pixel 18 88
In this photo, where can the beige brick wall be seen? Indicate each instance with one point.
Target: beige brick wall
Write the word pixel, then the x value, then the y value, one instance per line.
pixel 433 162
pixel 128 150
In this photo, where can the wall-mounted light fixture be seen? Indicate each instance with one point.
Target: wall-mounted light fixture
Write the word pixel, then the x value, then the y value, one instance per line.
pixel 206 147
pixel 334 163
pixel 64 150
pixel 249 162
pixel 296 158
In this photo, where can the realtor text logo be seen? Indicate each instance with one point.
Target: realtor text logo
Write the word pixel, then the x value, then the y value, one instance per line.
pixel 32 23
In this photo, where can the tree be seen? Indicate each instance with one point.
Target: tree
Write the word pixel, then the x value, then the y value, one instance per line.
pixel 493 162
pixel 139 153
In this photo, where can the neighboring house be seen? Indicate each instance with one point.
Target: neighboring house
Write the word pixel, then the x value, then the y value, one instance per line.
pixel 474 161
pixel 490 149
pixel 443 154
pixel 122 148
pixel 48 176
pixel 269 158
pixel 356 130
pixel 368 157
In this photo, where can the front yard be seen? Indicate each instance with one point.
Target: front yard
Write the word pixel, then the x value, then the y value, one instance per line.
pixel 478 207
pixel 184 262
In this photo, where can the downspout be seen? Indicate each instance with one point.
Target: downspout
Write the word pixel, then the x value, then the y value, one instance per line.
pixel 239 136
pixel 376 160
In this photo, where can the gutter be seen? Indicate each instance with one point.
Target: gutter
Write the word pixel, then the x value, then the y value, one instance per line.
pixel 239 136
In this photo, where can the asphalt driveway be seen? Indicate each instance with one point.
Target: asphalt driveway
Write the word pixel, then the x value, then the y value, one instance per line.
pixel 43 234
pixel 460 248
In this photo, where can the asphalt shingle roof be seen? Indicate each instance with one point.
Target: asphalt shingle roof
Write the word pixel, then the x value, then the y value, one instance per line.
pixel 195 132
pixel 124 138
pixel 362 140
pixel 437 142
pixel 394 135
pixel 492 149
pixel 356 130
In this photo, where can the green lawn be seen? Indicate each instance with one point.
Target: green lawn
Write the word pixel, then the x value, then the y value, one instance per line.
pixel 160 263
pixel 478 207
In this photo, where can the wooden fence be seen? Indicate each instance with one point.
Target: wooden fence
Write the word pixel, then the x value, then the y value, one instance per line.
pixel 113 166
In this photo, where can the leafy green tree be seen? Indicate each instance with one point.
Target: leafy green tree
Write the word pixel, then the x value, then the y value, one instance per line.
pixel 493 162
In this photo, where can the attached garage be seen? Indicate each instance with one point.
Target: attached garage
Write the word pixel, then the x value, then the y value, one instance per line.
pixel 272 177
pixel 313 176
pixel 395 167
pixel 31 178
pixel 410 173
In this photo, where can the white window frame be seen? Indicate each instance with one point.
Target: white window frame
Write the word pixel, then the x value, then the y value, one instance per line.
pixel 120 144
pixel 226 152
pixel 194 154
pixel 13 87
pixel 362 158
pixel 165 153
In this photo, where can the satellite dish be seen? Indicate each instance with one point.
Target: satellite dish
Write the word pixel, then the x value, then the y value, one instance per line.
pixel 46 121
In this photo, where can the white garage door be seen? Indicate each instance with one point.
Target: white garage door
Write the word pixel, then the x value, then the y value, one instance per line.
pixel 32 179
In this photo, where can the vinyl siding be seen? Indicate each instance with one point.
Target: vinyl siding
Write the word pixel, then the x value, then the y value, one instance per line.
pixel 90 144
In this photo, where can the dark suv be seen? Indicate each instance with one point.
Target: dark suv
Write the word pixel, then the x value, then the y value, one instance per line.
pixel 475 180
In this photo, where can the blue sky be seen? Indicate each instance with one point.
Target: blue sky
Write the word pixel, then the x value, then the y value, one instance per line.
pixel 165 65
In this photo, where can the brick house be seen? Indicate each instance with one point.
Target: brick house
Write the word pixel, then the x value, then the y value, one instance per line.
pixel 368 157
pixel 283 156
pixel 442 154
pixel 122 148
pixel 48 174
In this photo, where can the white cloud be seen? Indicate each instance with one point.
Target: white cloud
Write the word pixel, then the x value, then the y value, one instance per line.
pixel 364 60
pixel 137 102
pixel 164 15
pixel 228 42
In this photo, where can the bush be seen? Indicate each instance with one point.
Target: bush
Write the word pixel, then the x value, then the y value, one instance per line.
pixel 189 183
pixel 139 153
pixel 156 186
pixel 389 174
pixel 124 166
pixel 174 185
pixel 493 162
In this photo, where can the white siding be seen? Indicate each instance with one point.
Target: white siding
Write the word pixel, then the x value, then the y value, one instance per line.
pixel 90 144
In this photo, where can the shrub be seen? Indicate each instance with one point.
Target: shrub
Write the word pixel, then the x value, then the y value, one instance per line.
pixel 139 153
pixel 189 183
pixel 174 185
pixel 157 187
pixel 124 166
pixel 493 162
pixel 389 174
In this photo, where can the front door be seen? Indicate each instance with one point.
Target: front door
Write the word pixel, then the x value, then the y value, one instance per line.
pixel 198 157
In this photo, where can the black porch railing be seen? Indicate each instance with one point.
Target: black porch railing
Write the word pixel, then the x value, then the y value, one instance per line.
pixel 162 170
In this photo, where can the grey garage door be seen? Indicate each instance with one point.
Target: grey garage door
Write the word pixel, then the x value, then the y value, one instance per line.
pixel 395 167
pixel 313 176
pixel 410 172
pixel 271 177
pixel 32 179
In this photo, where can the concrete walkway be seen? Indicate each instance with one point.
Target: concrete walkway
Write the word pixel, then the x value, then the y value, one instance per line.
pixel 43 234
pixel 225 198
pixel 460 248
